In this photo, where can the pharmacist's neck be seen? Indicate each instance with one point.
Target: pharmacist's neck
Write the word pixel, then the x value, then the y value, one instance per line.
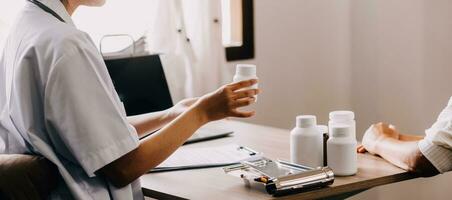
pixel 70 6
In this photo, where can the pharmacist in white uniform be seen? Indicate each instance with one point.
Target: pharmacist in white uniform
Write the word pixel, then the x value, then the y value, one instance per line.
pixel 57 100
pixel 427 155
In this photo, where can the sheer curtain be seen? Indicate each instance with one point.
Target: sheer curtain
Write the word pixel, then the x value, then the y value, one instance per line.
pixel 191 29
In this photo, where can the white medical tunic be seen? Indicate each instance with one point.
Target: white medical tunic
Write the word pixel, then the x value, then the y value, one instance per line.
pixel 57 100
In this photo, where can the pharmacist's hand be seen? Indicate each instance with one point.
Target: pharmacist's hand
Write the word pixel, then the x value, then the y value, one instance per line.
pixel 224 102
pixel 376 134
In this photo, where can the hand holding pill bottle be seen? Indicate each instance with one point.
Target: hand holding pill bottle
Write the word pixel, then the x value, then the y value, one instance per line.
pixel 246 72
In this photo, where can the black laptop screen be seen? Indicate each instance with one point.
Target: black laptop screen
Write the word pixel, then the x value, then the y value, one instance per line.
pixel 140 83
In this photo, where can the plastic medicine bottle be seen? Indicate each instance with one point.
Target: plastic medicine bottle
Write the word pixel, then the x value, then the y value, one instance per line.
pixel 343 117
pixel 306 142
pixel 341 150
pixel 246 72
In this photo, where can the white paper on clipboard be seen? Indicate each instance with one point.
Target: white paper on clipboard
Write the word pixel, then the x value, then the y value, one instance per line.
pixel 220 155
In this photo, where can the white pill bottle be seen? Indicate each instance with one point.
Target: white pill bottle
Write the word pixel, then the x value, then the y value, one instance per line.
pixel 343 117
pixel 245 72
pixel 341 150
pixel 306 142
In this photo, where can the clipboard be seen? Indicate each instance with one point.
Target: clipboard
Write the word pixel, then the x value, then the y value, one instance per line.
pixel 207 157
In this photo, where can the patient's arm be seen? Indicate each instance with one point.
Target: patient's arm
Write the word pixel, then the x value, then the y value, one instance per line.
pixel 406 155
pixel 401 150
pixel 150 122
pixel 406 137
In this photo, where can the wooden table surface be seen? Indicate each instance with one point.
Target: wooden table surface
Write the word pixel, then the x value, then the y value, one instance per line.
pixel 213 183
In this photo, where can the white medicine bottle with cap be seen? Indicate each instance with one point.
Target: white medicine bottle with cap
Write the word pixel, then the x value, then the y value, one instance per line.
pixel 306 142
pixel 343 117
pixel 245 72
pixel 341 150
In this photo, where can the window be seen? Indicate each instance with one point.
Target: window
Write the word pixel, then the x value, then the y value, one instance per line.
pixel 232 23
pixel 124 18
pixel 238 29
pixel 117 17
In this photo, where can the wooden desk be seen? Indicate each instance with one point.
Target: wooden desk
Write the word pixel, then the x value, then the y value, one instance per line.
pixel 213 183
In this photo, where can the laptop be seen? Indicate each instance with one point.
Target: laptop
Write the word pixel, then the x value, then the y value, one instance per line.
pixel 142 87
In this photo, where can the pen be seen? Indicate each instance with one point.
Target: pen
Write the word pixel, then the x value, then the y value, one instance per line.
pixel 262 179
pixel 252 152
pixel 294 165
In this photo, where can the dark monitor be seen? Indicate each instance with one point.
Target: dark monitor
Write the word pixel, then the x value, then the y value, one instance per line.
pixel 140 83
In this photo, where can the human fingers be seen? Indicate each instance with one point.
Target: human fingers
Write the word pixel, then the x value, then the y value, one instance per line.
pixel 240 114
pixel 242 84
pixel 243 102
pixel 391 126
pixel 245 93
pixel 361 149
pixel 359 146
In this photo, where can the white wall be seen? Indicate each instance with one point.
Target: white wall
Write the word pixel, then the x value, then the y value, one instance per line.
pixel 303 59
pixel 401 67
pixel 387 60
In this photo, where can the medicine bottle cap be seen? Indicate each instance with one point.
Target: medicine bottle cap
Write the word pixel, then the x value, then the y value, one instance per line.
pixel 342 115
pixel 340 131
pixel 245 70
pixel 306 121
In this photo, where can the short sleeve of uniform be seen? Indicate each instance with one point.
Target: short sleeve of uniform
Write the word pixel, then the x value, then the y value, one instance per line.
pixel 437 145
pixel 83 111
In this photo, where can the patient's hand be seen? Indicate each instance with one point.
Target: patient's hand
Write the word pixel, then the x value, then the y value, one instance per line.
pixel 401 150
pixel 375 134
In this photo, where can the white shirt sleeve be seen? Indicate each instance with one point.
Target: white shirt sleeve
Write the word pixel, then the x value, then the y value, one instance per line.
pixel 437 145
pixel 85 119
